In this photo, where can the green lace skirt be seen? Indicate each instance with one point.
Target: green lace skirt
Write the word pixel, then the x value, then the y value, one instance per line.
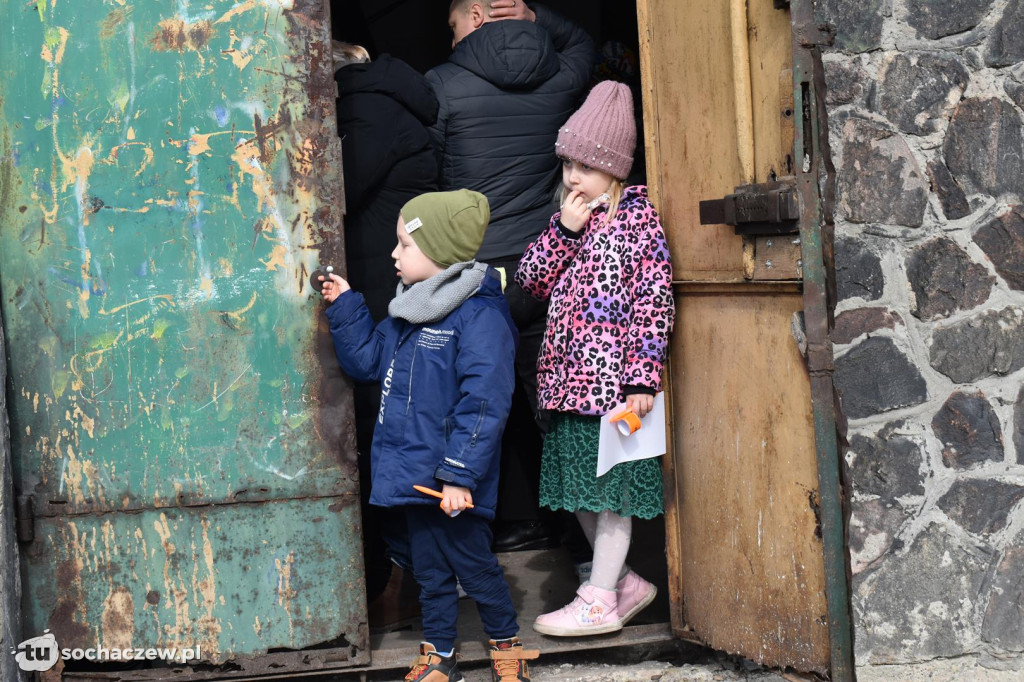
pixel 568 473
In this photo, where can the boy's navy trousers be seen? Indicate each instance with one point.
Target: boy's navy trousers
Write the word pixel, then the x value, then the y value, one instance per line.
pixel 446 548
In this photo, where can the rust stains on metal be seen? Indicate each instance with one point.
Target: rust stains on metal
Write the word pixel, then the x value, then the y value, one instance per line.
pixel 118 619
pixel 114 21
pixel 175 34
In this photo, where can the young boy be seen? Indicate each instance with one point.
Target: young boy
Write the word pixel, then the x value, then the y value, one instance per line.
pixel 444 357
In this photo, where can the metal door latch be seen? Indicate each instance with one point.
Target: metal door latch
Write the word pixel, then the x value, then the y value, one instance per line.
pixel 768 208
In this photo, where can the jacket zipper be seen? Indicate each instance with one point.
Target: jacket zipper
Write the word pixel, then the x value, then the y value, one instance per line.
pixel 412 366
pixel 479 423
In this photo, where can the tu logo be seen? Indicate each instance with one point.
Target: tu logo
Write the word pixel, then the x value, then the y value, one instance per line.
pixel 37 654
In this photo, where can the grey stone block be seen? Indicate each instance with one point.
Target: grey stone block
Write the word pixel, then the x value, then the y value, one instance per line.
pixel 853 323
pixel 951 195
pixel 984 146
pixel 845 82
pixel 1002 240
pixel 873 528
pixel 1004 617
pixel 1016 92
pixel 920 89
pixel 969 430
pixel 894 603
pixel 880 180
pixel 858 271
pixel 990 343
pixel 1006 43
pixel 940 18
pixel 981 506
pixel 857 23
pixel 876 377
pixel 944 279
pixel 887 465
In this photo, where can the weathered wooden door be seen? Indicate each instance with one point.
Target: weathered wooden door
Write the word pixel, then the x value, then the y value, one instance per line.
pixel 745 547
pixel 182 438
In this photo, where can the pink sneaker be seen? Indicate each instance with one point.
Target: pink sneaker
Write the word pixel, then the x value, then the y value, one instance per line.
pixel 634 594
pixel 592 612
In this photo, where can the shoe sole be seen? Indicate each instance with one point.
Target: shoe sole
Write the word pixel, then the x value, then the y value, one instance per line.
pixel 529 546
pixel 578 632
pixel 641 605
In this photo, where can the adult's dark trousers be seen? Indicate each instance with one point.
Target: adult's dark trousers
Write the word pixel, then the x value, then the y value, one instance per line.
pixel 385 538
pixel 521 444
pixel 448 549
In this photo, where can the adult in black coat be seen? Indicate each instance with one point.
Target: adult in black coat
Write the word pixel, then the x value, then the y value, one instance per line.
pixel 384 109
pixel 504 92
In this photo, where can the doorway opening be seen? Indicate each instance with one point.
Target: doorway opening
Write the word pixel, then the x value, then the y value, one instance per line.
pixel 541 580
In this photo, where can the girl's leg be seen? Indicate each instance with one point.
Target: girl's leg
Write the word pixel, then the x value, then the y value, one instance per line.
pixel 611 545
pixel 588 522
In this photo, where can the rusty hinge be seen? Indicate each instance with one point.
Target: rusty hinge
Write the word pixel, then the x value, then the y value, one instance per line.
pixel 767 208
pixel 25 518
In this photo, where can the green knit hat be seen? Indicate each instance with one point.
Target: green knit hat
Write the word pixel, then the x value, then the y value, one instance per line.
pixel 448 226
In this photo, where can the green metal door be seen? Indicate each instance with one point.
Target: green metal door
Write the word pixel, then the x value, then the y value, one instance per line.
pixel 181 433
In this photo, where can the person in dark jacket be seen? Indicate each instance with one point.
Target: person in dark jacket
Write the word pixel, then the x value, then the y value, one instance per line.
pixel 503 94
pixel 384 109
pixel 444 359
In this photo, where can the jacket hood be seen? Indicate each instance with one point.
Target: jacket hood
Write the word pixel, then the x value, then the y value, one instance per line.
pixel 513 55
pixel 394 78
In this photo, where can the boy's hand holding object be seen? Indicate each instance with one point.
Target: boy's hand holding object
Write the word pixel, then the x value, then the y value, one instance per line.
pixel 453 498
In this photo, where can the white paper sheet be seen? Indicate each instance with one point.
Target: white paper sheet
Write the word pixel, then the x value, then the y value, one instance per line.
pixel 649 441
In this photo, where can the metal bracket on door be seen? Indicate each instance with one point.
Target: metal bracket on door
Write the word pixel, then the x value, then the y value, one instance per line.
pixel 767 208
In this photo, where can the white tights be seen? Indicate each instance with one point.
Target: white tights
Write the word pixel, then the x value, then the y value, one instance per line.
pixel 609 535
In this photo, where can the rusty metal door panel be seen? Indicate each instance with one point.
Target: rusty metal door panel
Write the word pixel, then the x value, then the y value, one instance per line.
pixel 162 211
pixel 221 578
pixel 170 175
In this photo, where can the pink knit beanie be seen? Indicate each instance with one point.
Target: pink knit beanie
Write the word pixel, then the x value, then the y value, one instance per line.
pixel 602 132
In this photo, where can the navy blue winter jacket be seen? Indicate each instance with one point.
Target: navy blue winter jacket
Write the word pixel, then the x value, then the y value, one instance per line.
pixel 446 390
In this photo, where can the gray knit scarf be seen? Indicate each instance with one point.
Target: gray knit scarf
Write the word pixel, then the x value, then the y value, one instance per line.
pixel 432 299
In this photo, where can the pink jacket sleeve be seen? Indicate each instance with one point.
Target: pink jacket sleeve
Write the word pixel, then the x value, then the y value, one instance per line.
pixel 653 310
pixel 546 259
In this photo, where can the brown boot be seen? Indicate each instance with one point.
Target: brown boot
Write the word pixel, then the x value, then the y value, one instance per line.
pixel 398 606
pixel 508 660
pixel 431 666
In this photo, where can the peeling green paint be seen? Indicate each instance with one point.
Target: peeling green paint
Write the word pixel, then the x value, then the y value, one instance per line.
pixel 170 176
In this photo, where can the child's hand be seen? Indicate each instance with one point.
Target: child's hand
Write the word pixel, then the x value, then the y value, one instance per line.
pixel 456 498
pixel 575 213
pixel 333 287
pixel 641 403
pixel 511 9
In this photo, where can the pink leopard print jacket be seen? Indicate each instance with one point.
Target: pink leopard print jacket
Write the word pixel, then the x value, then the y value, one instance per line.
pixel 611 306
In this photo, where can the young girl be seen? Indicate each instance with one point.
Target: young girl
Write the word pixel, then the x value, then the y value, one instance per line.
pixel 604 264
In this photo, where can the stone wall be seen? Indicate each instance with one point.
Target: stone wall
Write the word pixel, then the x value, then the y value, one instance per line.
pixel 925 103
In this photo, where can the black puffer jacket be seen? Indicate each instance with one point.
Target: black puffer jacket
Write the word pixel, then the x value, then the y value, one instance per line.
pixel 503 94
pixel 384 109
